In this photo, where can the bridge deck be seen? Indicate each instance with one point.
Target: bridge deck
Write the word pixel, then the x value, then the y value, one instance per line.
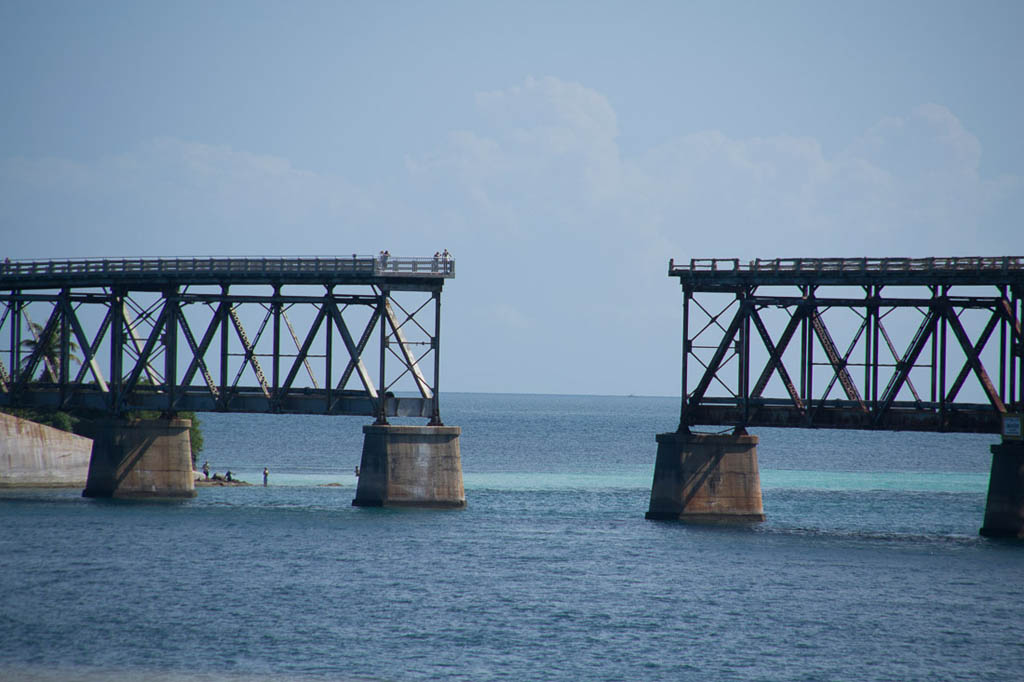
pixel 354 269
pixel 726 273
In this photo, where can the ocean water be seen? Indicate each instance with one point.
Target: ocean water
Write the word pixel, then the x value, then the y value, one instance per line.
pixel 869 566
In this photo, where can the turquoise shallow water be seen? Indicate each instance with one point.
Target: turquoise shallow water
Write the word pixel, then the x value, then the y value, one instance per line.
pixel 869 566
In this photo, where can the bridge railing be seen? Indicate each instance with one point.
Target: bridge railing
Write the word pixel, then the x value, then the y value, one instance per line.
pixel 212 266
pixel 853 265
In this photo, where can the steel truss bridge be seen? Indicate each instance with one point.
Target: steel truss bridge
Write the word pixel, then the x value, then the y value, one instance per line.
pixel 334 335
pixel 931 344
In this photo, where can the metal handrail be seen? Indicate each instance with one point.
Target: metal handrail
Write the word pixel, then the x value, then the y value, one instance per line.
pixel 439 266
pixel 866 265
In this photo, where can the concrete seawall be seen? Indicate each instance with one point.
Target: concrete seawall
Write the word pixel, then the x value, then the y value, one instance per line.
pixel 34 455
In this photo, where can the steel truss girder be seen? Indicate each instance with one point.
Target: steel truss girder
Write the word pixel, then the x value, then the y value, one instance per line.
pixel 995 361
pixel 143 348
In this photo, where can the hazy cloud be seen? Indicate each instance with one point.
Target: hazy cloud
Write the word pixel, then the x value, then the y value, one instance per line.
pixel 562 240
pixel 171 196
pixel 551 154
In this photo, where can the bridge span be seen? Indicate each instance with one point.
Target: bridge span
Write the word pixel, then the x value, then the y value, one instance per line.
pixel 916 344
pixel 338 335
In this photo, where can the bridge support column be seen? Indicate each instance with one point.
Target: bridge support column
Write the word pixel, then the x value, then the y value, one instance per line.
pixel 144 459
pixel 1004 508
pixel 706 478
pixel 411 466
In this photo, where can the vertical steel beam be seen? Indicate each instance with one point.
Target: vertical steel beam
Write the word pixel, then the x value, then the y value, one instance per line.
pixel 943 349
pixel 435 342
pixel 65 344
pixel 328 354
pixel 936 363
pixel 867 345
pixel 224 395
pixel 382 394
pixel 1017 353
pixel 16 339
pixel 809 358
pixel 5 378
pixel 1002 349
pixel 687 294
pixel 171 303
pixel 803 348
pixel 1013 349
pixel 117 296
pixel 875 325
pixel 744 360
pixel 276 371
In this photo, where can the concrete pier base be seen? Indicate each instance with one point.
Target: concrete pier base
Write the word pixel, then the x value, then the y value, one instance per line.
pixel 411 466
pixel 1004 508
pixel 144 459
pixel 706 478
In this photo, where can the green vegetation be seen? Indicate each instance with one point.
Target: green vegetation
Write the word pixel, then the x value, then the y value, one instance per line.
pixel 51 352
pixel 65 421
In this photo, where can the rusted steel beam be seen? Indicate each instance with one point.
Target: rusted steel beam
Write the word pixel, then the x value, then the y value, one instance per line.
pixel 906 363
pixel 716 360
pixel 838 363
pixel 964 419
pixel 974 361
pixel 967 302
pixel 775 357
pixel 966 369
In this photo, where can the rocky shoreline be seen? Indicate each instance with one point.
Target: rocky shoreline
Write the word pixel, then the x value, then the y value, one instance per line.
pixel 217 481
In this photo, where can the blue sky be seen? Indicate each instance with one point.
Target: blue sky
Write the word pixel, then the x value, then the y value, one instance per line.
pixel 563 152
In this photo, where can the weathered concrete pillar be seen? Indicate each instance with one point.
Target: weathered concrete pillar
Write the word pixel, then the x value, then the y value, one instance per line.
pixel 1004 508
pixel 143 459
pixel 412 466
pixel 706 478
pixel 32 454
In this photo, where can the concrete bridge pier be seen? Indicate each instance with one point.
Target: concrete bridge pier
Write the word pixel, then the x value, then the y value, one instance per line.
pixel 1004 507
pixel 140 459
pixel 410 466
pixel 706 478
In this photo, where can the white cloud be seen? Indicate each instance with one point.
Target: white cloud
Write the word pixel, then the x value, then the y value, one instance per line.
pixel 551 154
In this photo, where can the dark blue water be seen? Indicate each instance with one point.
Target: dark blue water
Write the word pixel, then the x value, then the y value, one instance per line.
pixel 869 566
